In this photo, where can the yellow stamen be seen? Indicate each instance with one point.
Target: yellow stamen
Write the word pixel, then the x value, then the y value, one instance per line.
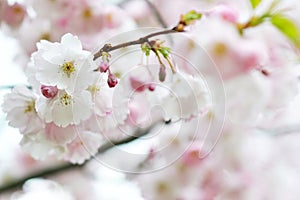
pixel 162 187
pixel 220 49
pixel 68 68
pixel 93 89
pixel 45 36
pixel 66 99
pixel 87 13
pixel 29 107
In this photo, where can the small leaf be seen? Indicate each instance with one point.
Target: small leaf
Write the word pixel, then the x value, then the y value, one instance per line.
pixel 164 51
pixel 146 48
pixel 287 27
pixel 147 52
pixel 191 16
pixel 255 3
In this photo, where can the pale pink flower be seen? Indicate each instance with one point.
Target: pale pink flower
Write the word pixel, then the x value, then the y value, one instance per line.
pixel 59 135
pixel 188 97
pixel 40 147
pixel 39 29
pixel 83 147
pixel 14 14
pixel 64 65
pixel 110 109
pixel 246 98
pixel 21 112
pixel 231 53
pixel 65 109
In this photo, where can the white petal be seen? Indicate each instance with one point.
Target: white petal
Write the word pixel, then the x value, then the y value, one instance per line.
pixel 71 42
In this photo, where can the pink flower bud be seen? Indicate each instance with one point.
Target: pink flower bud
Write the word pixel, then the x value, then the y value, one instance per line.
pixel 162 73
pixel 49 91
pixel 112 80
pixel 151 87
pixel 104 66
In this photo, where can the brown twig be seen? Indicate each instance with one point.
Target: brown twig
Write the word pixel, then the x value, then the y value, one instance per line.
pixel 108 47
pixel 156 14
pixel 154 10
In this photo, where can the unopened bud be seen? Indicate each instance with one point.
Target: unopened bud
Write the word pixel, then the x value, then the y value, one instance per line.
pixel 151 87
pixel 162 73
pixel 49 91
pixel 104 66
pixel 112 80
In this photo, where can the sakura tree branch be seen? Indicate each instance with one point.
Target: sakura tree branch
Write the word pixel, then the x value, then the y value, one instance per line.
pixel 67 166
pixel 156 13
pixel 154 10
pixel 108 47
pixel 185 20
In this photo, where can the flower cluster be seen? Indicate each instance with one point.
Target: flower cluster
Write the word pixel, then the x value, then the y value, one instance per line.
pixel 53 115
pixel 220 92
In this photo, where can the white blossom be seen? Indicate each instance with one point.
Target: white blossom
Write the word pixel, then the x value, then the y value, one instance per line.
pixel 20 108
pixel 64 65
pixel 65 109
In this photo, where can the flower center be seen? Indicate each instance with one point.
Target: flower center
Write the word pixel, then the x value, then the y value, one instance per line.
pixel 220 49
pixel 29 107
pixel 87 13
pixel 45 36
pixel 93 89
pixel 66 99
pixel 68 68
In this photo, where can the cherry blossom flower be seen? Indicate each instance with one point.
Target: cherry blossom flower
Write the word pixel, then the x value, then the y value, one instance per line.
pixel 65 109
pixel 188 97
pixel 64 65
pixel 21 112
pixel 83 147
pixel 110 107
pixel 13 15
pixel 40 147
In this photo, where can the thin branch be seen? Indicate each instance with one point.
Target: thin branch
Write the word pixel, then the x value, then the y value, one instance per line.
pixel 108 47
pixel 156 14
pixel 67 166
pixel 154 10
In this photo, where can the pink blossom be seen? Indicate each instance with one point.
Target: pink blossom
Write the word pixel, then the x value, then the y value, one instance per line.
pixel 14 14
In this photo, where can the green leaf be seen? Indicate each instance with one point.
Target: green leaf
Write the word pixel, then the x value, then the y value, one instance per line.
pixel 164 51
pixel 191 16
pixel 255 3
pixel 287 27
pixel 146 49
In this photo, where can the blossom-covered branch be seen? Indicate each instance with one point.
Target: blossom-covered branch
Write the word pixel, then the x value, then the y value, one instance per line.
pixel 184 21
